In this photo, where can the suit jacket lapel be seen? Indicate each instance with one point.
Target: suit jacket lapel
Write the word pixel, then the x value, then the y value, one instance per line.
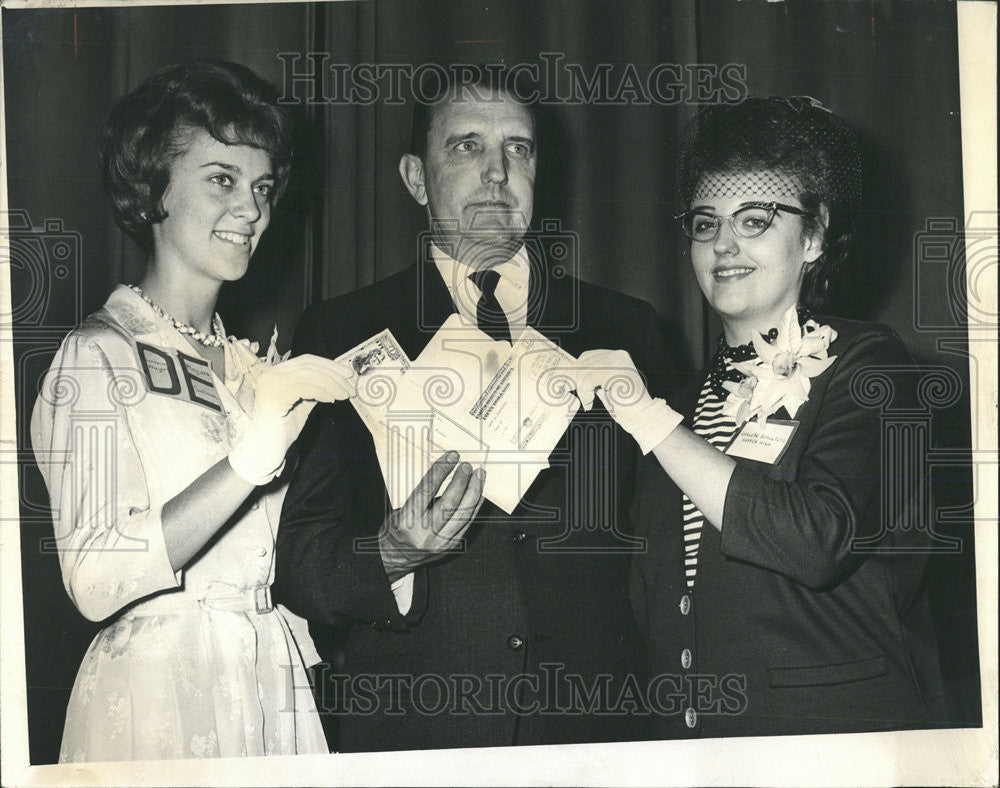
pixel 435 304
pixel 424 306
pixel 551 300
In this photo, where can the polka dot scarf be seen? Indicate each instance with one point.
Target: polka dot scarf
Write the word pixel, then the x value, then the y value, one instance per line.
pixel 720 368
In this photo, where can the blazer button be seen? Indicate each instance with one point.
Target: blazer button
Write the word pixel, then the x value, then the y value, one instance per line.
pixel 514 642
pixel 686 658
pixel 520 537
pixel 690 718
pixel 685 604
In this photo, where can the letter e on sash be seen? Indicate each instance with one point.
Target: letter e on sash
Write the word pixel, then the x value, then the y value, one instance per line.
pixel 198 377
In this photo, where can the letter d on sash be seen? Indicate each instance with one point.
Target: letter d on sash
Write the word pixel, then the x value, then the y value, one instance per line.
pixel 158 366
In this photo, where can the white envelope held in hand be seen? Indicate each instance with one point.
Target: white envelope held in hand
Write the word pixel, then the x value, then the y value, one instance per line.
pixel 502 408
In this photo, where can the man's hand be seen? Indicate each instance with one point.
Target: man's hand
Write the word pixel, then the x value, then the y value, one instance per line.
pixel 424 528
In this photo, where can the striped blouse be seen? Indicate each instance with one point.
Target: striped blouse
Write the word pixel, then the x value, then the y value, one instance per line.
pixel 717 429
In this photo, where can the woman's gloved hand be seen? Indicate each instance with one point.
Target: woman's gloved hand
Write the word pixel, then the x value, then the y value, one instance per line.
pixel 612 375
pixel 284 396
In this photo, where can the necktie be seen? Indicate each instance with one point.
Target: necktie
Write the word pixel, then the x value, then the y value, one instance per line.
pixel 489 314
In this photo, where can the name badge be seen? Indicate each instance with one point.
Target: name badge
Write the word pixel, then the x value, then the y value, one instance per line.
pixel 174 374
pixel 765 442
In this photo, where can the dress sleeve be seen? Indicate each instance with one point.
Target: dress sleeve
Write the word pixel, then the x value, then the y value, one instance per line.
pixel 108 535
pixel 803 528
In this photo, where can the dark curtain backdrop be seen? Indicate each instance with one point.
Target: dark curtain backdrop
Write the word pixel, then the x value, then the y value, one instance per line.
pixel 888 68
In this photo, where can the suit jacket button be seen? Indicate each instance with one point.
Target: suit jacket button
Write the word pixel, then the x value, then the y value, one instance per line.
pixel 519 537
pixel 685 604
pixel 690 718
pixel 514 642
pixel 686 658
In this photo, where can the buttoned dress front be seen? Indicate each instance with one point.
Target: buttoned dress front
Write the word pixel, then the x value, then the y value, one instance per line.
pixel 198 663
pixel 808 614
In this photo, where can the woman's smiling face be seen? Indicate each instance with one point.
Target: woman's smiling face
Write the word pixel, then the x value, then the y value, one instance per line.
pixel 218 204
pixel 751 282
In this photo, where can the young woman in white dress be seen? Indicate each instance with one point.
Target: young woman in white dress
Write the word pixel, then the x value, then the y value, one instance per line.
pixel 162 443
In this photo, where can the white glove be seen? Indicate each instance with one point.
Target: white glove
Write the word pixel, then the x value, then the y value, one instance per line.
pixel 612 375
pixel 284 396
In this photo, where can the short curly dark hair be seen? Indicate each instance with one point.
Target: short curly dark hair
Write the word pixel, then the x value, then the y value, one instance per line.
pixel 797 138
pixel 148 128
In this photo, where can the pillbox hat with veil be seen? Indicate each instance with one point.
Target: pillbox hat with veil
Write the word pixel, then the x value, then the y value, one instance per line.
pixel 783 147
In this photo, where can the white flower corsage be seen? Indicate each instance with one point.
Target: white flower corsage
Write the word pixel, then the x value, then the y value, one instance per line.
pixel 780 375
pixel 244 366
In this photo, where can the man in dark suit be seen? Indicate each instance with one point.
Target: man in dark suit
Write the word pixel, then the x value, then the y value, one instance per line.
pixel 515 629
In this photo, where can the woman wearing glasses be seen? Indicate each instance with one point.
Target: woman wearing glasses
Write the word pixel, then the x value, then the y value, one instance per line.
pixel 780 588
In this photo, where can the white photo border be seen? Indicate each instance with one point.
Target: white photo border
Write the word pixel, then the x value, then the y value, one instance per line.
pixel 931 757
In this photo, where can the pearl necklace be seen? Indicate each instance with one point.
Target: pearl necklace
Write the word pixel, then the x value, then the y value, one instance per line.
pixel 217 339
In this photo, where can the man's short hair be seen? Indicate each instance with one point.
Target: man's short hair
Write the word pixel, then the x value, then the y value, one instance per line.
pixel 439 84
pixel 147 129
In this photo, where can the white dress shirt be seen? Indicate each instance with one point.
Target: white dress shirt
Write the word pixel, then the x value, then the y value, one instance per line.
pixel 511 292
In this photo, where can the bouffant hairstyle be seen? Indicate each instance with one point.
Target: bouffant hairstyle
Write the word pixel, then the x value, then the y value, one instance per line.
pixel 795 141
pixel 148 128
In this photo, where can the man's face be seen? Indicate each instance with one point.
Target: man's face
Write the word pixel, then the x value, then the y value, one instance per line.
pixel 477 177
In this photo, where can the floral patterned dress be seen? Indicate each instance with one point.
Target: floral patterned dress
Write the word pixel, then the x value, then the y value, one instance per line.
pixel 197 663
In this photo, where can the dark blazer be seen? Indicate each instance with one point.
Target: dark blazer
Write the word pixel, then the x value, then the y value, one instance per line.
pixel 522 635
pixel 793 626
